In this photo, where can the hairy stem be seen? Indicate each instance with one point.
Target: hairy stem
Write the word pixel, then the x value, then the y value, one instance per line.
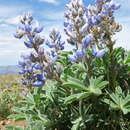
pixel 112 65
pixel 59 81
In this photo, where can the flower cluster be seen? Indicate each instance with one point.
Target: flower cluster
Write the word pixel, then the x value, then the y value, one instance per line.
pixel 39 64
pixel 55 40
pixel 90 27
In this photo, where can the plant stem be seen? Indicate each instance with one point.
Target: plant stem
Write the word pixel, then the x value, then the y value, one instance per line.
pixel 89 66
pixel 112 65
pixel 59 80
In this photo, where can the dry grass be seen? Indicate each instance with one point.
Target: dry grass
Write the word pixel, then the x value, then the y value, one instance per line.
pixel 11 90
pixel 7 79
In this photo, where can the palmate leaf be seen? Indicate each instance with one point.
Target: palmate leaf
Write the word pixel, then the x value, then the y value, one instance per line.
pixel 74 83
pixel 96 85
pixel 112 105
pixel 118 101
pixel 75 97
pixel 126 101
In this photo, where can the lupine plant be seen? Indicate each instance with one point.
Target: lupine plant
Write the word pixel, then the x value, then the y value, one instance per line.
pixel 86 88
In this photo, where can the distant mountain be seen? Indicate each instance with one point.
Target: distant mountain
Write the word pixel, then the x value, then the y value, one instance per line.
pixel 11 69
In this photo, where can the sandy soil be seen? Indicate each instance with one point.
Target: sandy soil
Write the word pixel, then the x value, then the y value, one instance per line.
pixel 4 123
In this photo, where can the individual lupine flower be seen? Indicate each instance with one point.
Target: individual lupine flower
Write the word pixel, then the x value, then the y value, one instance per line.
pixel 50 57
pixel 58 68
pixel 38 66
pixel 94 20
pixel 113 6
pixel 84 28
pixel 38 83
pixel 28 28
pixel 24 82
pixel 77 55
pixel 38 39
pixel 28 44
pixel 40 80
pixel 50 45
pixel 19 32
pixel 98 52
pixel 38 28
pixel 99 1
pixel 87 40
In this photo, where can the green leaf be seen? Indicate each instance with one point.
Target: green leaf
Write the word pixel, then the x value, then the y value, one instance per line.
pixel 115 98
pixel 29 98
pixel 98 80
pixel 17 117
pixel 126 100
pixel 125 111
pixel 76 124
pixel 44 118
pixel 102 84
pixel 9 127
pixel 96 85
pixel 74 83
pixel 71 98
pixel 79 66
pixel 118 101
pixel 75 97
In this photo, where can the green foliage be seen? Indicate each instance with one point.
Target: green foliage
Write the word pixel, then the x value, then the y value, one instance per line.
pixel 9 94
pixel 94 88
pixel 118 101
pixel 93 102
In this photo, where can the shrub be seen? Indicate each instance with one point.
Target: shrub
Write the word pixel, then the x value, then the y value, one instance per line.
pixel 86 88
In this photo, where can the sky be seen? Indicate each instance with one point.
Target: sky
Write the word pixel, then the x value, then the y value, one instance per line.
pixel 50 13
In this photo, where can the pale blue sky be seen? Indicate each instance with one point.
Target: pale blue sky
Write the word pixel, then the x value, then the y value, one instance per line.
pixel 49 13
